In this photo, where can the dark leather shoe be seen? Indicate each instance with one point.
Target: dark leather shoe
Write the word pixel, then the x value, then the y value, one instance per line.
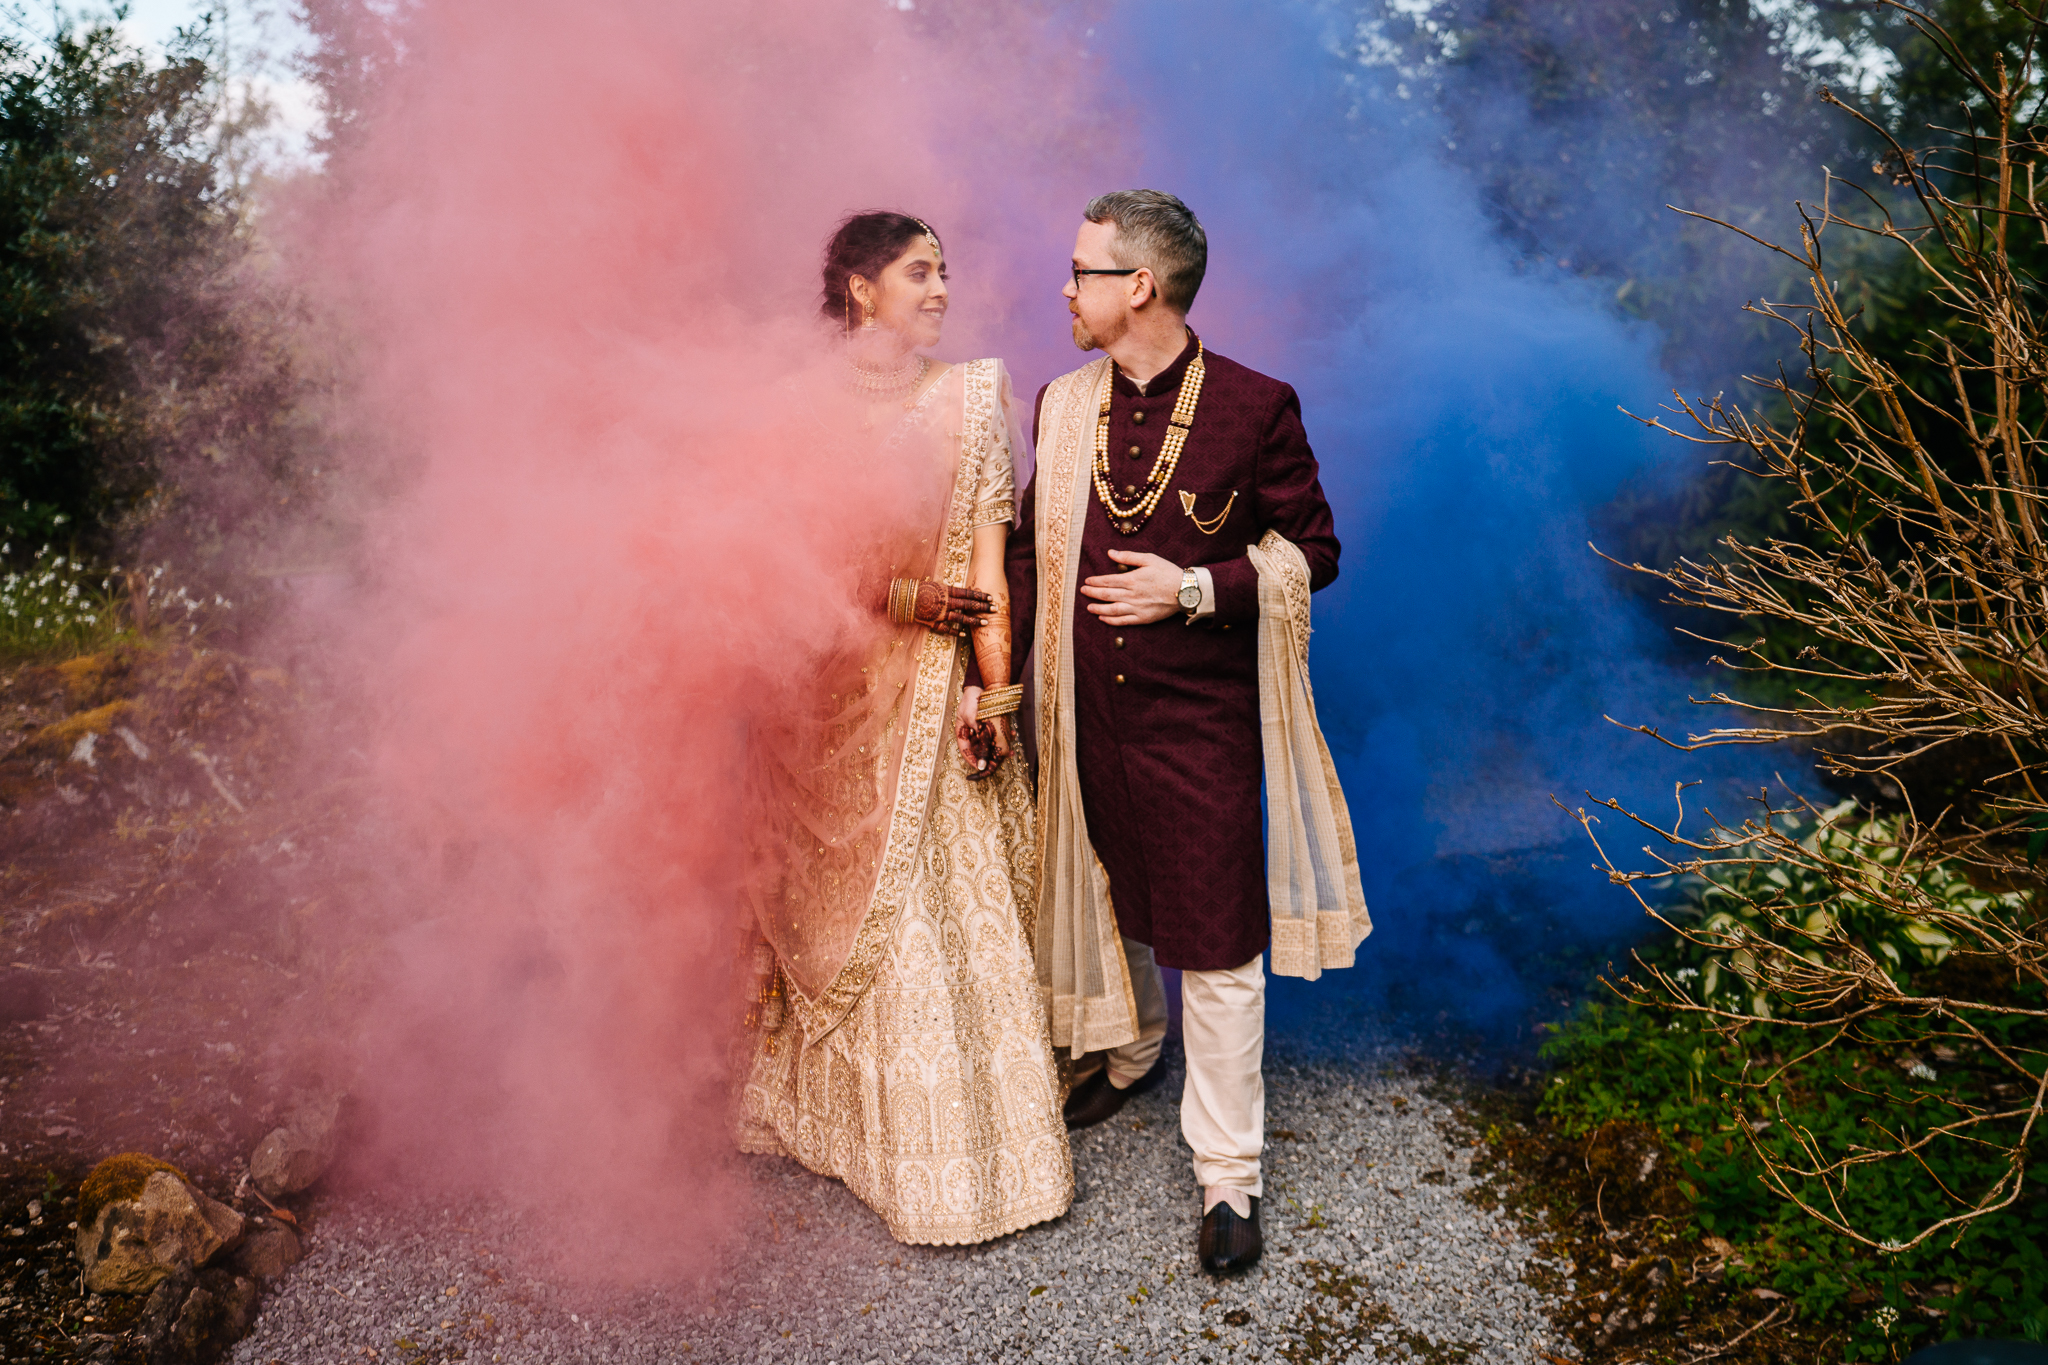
pixel 1095 1099
pixel 1229 1243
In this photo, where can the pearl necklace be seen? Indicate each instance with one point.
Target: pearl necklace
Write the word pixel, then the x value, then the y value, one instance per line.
pixel 886 383
pixel 1128 517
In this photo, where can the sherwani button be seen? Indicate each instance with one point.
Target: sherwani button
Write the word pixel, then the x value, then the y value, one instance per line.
pixel 1119 679
pixel 1119 642
pixel 1137 452
pixel 1139 418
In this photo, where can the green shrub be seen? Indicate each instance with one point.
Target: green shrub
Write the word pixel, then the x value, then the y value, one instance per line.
pixel 1806 906
pixel 1637 1063
pixel 1738 1098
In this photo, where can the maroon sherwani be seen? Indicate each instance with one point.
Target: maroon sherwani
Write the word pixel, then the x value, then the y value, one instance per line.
pixel 1166 726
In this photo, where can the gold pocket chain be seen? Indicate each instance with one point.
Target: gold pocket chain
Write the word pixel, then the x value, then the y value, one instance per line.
pixel 1213 524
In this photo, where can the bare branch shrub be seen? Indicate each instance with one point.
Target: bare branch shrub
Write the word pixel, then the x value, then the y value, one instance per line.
pixel 1921 581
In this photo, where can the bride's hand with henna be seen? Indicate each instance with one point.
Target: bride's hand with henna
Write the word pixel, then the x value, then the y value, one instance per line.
pixel 968 727
pixel 948 609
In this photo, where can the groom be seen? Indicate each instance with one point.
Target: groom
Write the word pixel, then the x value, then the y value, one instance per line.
pixel 1157 469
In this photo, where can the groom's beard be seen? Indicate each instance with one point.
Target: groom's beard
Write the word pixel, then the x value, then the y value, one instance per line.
pixel 1088 341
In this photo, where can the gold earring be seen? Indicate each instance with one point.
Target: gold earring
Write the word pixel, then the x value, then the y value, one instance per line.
pixel 869 325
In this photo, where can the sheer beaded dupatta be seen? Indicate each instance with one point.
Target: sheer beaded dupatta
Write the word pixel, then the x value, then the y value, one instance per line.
pixel 834 808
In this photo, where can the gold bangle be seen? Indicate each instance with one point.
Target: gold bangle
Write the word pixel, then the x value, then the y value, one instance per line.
pixel 903 601
pixel 1000 701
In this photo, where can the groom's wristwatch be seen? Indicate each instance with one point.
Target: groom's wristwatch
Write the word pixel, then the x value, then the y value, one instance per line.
pixel 1190 592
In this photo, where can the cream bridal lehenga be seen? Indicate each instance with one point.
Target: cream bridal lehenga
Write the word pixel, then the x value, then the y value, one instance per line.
pixel 900 1044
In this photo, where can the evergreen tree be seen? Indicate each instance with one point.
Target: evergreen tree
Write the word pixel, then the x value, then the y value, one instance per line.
pixel 111 219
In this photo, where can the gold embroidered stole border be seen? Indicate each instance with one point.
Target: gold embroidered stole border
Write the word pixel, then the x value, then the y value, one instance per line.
pixel 939 669
pixel 1081 969
pixel 1056 478
pixel 1312 875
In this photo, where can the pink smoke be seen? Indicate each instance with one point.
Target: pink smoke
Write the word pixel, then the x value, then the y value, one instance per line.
pixel 578 251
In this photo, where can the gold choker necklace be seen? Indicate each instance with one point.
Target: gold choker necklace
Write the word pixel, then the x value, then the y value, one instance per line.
pixel 886 383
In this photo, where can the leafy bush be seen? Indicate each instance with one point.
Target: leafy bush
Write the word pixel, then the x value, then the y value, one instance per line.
pixel 1748 1100
pixel 1798 905
pixel 1632 1063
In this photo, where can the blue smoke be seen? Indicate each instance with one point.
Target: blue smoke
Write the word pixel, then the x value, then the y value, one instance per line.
pixel 1465 412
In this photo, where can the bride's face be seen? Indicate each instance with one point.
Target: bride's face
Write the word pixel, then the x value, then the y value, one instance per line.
pixel 910 297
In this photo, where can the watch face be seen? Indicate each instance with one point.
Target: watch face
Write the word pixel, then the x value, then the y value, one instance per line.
pixel 1191 598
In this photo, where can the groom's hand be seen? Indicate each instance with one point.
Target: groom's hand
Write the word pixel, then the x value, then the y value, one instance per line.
pixel 1147 591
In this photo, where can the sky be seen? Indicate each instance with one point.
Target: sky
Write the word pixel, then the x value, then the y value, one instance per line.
pixel 262 40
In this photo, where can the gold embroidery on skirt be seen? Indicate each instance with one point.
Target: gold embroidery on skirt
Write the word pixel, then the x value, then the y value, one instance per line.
pixel 922 1076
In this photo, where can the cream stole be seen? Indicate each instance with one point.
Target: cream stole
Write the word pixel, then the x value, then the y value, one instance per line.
pixel 1081 971
pixel 1318 904
pixel 1319 915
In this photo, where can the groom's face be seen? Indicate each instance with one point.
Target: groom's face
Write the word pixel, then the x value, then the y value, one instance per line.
pixel 1101 304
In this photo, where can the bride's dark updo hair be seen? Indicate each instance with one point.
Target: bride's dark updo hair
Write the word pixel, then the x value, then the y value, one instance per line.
pixel 864 245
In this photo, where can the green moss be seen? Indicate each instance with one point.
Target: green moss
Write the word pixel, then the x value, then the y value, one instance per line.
pixel 57 740
pixel 117 1178
pixel 95 679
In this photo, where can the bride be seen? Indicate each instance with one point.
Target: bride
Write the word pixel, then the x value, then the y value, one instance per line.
pixel 899 1043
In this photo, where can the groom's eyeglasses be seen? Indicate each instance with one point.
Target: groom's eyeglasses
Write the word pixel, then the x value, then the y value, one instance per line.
pixel 1079 272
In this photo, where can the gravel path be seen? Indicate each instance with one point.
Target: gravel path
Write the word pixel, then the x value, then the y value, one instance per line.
pixel 1373 1251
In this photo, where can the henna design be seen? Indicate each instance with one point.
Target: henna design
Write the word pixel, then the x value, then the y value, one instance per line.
pixel 947 609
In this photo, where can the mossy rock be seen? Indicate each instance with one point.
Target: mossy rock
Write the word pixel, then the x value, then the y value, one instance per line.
pixel 96 679
pixel 57 741
pixel 117 1178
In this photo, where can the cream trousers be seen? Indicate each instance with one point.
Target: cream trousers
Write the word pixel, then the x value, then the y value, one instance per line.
pixel 1223 1029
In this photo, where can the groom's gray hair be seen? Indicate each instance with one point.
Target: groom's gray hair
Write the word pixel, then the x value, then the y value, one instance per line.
pixel 1157 232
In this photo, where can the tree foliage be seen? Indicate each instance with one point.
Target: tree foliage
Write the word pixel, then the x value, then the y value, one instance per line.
pixel 162 392
pixel 110 213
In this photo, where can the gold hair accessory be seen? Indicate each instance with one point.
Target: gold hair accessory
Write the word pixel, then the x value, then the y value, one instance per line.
pixel 1128 517
pixel 903 601
pixel 932 238
pixel 1213 524
pixel 1000 701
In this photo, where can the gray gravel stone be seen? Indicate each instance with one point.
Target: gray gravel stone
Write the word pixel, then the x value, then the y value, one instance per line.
pixel 1373 1252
